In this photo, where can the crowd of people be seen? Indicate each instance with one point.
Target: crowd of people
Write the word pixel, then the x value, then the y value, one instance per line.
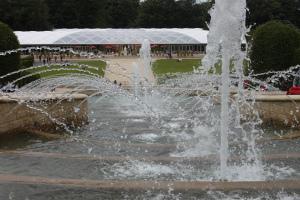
pixel 52 58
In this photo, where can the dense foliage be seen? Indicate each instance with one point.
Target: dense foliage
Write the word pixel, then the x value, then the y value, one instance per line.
pixel 10 62
pixel 49 14
pixel 297 56
pixel 40 15
pixel 275 46
pixel 262 11
pixel 25 15
pixel 170 13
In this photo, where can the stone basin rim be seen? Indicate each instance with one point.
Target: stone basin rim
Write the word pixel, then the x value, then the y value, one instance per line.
pixel 277 98
pixel 41 97
pixel 153 185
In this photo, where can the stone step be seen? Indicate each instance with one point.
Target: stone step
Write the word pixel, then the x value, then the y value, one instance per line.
pixel 165 159
pixel 125 185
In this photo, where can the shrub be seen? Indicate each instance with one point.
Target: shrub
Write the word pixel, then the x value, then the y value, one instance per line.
pixel 26 62
pixel 297 57
pixel 274 47
pixel 10 62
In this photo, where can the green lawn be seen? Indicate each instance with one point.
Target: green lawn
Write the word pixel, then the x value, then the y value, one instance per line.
pixel 54 70
pixel 172 66
pixel 166 66
pixel 95 63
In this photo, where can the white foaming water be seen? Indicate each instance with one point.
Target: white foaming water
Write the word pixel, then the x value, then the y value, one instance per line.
pixel 140 169
pixel 203 143
pixel 147 137
pixel 262 196
pixel 217 196
pixel 241 173
pixel 227 31
pixel 276 172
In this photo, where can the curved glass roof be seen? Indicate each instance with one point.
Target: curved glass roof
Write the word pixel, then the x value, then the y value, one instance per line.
pixel 112 36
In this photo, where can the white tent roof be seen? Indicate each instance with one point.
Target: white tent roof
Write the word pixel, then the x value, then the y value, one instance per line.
pixel 113 36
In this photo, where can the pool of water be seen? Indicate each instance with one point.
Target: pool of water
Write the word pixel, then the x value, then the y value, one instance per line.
pixel 126 142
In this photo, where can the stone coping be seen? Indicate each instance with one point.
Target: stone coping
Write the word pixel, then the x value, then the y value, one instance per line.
pixel 137 185
pixel 277 98
pixel 12 98
pixel 165 159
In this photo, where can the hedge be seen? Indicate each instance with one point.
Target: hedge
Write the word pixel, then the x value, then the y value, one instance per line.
pixel 10 62
pixel 274 47
pixel 26 62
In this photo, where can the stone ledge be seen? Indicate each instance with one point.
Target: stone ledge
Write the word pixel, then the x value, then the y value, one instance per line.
pixel 49 109
pixel 164 159
pixel 154 185
pixel 280 111
pixel 277 98
pixel 41 97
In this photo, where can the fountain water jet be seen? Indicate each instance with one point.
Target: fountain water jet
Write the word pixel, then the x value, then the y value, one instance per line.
pixel 146 62
pixel 227 31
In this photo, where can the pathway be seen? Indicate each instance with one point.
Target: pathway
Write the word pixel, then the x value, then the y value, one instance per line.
pixel 122 70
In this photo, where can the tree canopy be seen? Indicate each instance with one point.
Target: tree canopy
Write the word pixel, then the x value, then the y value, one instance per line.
pixel 40 15
pixel 173 14
pixel 262 11
pixel 25 15
pixel 275 46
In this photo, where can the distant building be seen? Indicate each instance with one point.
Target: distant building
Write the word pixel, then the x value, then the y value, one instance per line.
pixel 201 1
pixel 115 40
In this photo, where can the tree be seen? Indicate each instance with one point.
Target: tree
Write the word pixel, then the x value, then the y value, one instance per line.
pixel 173 14
pixel 297 57
pixel 201 16
pixel 64 14
pixel 185 9
pixel 274 47
pixel 10 62
pixel 91 13
pixel 262 11
pixel 35 16
pixel 121 13
pixel 158 14
pixel 29 15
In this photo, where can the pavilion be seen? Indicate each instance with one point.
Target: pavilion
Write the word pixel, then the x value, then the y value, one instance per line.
pixel 184 41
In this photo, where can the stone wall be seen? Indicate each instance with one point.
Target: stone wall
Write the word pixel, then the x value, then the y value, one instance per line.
pixel 50 113
pixel 279 110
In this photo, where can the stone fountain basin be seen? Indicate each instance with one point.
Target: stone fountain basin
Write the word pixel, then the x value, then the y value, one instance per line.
pixel 85 179
pixel 21 113
pixel 279 110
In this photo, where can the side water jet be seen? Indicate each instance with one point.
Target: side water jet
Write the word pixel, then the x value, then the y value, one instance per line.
pixel 227 31
pixel 146 62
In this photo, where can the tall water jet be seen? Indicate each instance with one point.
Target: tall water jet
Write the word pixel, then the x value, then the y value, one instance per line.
pixel 227 31
pixel 146 62
pixel 136 79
